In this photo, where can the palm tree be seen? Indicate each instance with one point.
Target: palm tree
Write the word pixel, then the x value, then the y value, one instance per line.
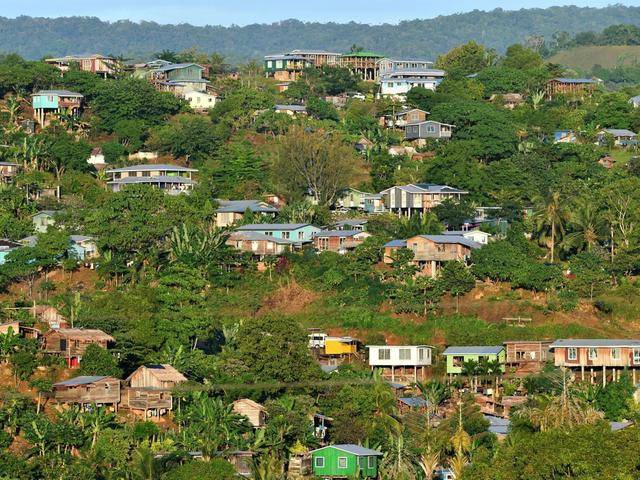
pixel 434 392
pixel 399 461
pixel 566 410
pixel 586 223
pixel 461 442
pixel 550 221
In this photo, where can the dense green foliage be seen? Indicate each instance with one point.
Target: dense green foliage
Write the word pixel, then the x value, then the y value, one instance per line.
pixel 497 29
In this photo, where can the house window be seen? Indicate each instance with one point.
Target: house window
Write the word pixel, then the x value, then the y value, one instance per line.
pixel 343 462
pixel 431 128
pixel 421 354
pixel 615 354
pixel 405 354
pixel 384 354
pixel 372 462
pixel 572 353
pixel 269 234
pixel 285 235
pixel 319 462
pixel 636 355
pixel 458 361
pixel 300 235
pixel 593 353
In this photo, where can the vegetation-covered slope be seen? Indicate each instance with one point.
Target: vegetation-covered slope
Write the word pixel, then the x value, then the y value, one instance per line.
pixel 610 56
pixel 425 38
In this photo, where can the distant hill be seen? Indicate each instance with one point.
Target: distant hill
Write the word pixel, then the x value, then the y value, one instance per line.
pixel 584 58
pixel 37 37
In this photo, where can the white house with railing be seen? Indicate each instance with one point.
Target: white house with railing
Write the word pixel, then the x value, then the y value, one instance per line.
pixel 402 361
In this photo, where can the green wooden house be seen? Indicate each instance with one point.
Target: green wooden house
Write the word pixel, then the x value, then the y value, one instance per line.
pixel 345 461
pixel 458 356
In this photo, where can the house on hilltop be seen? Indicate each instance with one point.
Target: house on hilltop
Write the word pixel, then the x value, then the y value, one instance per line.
pixel 71 343
pixel 172 179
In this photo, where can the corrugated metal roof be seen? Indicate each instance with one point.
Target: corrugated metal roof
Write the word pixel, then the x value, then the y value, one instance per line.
pixel 497 425
pixel 594 342
pixel 574 80
pixel 353 449
pixel 176 66
pixel 257 236
pixel 474 350
pixel 60 93
pixel 414 402
pixel 153 179
pixel 272 226
pixel 240 206
pixel 293 108
pixel 339 233
pixel 149 167
pixel 455 239
pixel 620 132
pixel 81 380
pixel 396 244
pixel 617 426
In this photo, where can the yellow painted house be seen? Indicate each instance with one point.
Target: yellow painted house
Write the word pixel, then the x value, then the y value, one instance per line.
pixel 340 346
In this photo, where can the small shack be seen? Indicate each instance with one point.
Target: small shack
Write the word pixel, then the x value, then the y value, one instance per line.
pixel 520 352
pixel 242 461
pixel 255 412
pixel 148 389
pixel 88 390
pixel 71 343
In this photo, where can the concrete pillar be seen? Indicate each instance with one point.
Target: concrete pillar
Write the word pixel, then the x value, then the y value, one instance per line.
pixel 393 374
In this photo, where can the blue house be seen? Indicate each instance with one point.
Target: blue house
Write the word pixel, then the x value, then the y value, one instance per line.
pixel 7 246
pixel 47 102
pixel 301 232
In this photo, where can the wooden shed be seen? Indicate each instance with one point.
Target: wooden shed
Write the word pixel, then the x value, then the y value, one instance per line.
pixel 161 376
pixel 87 390
pixel 71 343
pixel 525 351
pixel 255 412
pixel 148 389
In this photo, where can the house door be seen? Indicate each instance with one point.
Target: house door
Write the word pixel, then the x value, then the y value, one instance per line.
pixel 63 345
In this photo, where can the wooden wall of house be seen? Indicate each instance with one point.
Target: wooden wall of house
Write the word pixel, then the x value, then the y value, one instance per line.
pixel 105 391
pixel 532 351
pixel 255 414
pixel 561 356
pixel 143 378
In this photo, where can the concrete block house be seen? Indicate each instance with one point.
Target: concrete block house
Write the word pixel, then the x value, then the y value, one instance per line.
pixel 401 361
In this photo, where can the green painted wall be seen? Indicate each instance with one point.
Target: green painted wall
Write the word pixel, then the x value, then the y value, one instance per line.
pixel 193 72
pixel 330 469
pixel 451 369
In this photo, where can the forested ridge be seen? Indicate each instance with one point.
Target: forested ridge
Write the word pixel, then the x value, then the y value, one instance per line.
pixel 37 37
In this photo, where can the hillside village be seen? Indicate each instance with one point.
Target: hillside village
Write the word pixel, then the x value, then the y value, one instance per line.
pixel 323 265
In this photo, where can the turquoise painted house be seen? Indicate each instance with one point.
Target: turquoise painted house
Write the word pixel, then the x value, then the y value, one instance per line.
pixel 47 102
pixel 7 246
pixel 457 356
pixel 299 232
pixel 345 461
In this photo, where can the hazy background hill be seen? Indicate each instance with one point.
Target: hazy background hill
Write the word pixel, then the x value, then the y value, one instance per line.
pixel 37 37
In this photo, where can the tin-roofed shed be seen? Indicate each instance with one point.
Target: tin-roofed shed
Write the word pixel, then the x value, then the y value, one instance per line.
pixel 86 390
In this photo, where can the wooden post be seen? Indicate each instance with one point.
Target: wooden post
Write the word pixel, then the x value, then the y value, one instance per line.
pixel 393 373
pixel 604 376
pixel 591 376
pixel 582 371
pixel 633 370
pixel 415 373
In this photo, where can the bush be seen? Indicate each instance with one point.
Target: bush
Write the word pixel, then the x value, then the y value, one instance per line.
pixel 603 306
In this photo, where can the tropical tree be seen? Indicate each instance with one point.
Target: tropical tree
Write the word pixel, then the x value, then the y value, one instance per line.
pixel 586 224
pixel 457 279
pixel 550 221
